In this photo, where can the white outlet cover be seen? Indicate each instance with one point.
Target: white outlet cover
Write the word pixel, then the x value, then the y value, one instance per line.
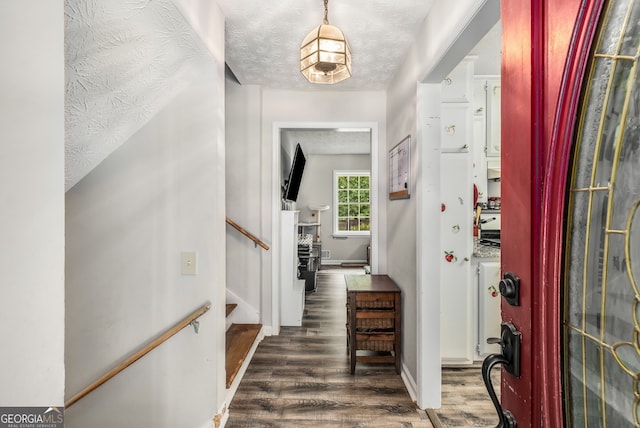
pixel 189 263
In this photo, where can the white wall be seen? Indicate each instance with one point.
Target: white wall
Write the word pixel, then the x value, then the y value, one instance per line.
pixel 445 38
pixel 32 200
pixel 160 193
pixel 243 147
pixel 317 188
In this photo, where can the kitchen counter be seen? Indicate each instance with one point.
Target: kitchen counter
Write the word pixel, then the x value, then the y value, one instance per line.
pixel 485 251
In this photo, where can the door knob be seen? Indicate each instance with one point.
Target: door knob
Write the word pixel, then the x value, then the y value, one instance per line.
pixel 510 288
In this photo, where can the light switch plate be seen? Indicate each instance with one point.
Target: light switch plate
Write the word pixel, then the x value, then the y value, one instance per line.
pixel 189 263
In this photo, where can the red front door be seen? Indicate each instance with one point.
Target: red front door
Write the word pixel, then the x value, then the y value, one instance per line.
pixel 537 98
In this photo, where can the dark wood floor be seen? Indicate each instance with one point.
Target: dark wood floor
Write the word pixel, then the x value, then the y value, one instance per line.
pixel 301 378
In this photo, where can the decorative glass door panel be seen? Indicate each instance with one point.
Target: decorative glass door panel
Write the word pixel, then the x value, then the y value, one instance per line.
pixel 601 320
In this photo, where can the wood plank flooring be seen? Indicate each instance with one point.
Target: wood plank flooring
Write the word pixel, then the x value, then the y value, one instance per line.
pixel 301 378
pixel 239 340
pixel 465 400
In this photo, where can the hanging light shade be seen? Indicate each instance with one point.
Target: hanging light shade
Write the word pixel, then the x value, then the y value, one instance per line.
pixel 325 56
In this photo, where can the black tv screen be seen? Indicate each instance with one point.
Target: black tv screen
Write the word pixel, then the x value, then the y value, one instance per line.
pixel 292 185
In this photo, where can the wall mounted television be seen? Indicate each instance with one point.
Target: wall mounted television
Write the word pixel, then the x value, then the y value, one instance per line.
pixel 292 184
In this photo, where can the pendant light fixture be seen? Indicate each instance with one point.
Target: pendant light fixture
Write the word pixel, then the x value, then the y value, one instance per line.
pixel 325 56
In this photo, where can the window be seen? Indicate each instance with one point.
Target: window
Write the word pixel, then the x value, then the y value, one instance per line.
pixel 351 198
pixel 601 313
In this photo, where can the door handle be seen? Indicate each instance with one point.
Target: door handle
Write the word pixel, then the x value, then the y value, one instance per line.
pixel 510 342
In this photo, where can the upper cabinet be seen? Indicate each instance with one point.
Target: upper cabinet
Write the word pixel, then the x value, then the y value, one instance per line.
pixel 486 104
pixel 457 87
pixel 456 120
pixel 456 109
pixel 493 117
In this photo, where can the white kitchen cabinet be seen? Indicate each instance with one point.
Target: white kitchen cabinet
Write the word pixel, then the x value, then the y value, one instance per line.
pixel 486 136
pixel 486 101
pixel 456 121
pixel 479 95
pixel 456 292
pixel 292 289
pixel 489 317
pixel 493 117
pixel 479 159
pixel 479 138
pixel 457 87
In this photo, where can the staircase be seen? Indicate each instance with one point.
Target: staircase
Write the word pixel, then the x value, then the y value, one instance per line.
pixel 241 343
pixel 242 338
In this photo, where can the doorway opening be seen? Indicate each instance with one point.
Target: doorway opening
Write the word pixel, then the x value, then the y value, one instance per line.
pixel 336 221
pixel 325 145
pixel 446 115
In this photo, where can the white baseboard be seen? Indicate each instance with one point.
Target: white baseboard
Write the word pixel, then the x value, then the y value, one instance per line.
pixel 456 362
pixel 409 383
pixel 268 330
pixel 220 420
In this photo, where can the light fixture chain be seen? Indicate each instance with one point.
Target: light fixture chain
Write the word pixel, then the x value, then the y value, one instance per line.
pixel 326 12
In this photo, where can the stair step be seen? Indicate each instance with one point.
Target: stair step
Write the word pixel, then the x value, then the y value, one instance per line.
pixel 230 308
pixel 240 338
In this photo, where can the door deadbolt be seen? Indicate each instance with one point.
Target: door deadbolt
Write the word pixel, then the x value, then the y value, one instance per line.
pixel 510 288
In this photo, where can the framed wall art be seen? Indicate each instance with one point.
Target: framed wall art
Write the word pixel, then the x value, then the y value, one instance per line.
pixel 400 170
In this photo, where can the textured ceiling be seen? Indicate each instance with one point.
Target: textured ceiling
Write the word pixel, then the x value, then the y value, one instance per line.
pixel 263 38
pixel 123 62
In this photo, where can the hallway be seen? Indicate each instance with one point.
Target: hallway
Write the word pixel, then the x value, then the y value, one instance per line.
pixel 301 379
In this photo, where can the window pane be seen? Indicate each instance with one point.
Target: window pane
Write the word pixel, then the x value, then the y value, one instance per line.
pixel 353 210
pixel 364 210
pixel 364 223
pixel 342 182
pixel 354 224
pixel 364 196
pixel 353 196
pixel 343 196
pixel 343 210
pixel 364 182
pixel 630 39
pixel 353 182
pixel 612 126
pixel 342 224
pixel 590 124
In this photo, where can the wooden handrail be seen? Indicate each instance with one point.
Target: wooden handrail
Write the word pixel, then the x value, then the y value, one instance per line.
pixel 135 357
pixel 247 234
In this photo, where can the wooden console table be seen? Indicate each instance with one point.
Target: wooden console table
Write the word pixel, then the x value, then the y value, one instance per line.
pixel 373 319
